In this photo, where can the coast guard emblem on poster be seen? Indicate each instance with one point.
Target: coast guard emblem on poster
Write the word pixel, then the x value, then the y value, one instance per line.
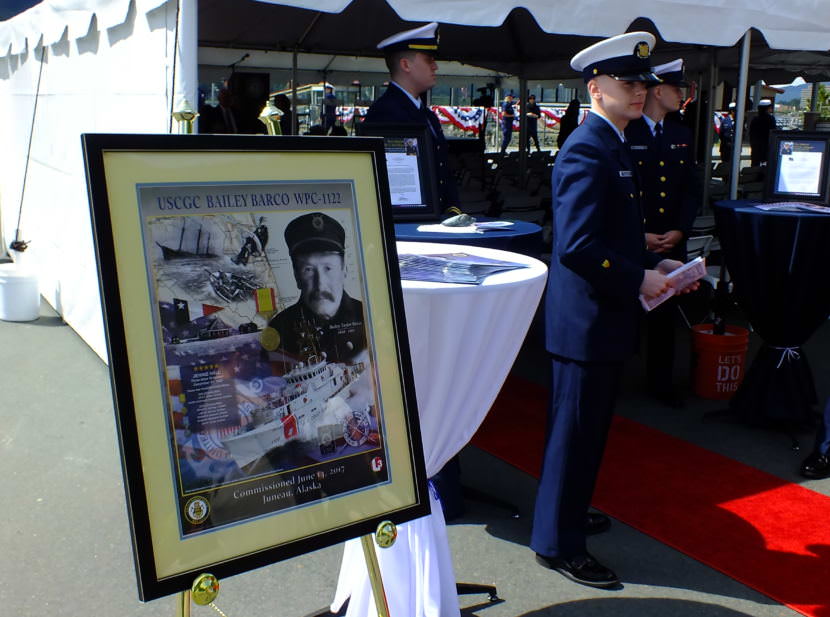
pixel 196 510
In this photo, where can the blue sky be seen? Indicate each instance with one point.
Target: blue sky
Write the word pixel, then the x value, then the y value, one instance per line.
pixel 9 8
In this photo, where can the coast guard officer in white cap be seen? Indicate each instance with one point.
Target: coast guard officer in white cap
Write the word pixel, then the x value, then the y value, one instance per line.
pixel 599 266
pixel 663 153
pixel 410 58
pixel 759 130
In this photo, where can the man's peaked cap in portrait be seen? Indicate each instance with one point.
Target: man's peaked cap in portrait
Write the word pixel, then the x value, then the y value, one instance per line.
pixel 313 233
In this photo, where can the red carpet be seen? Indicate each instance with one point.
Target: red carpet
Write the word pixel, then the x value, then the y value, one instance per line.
pixel 771 535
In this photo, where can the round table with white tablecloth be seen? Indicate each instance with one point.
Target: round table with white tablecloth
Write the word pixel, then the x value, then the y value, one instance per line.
pixel 463 340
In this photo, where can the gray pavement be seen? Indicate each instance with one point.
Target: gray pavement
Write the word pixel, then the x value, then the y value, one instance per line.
pixel 65 540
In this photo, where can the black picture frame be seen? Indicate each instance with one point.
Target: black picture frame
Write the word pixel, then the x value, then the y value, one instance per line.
pixel 778 140
pixel 430 208
pixel 382 477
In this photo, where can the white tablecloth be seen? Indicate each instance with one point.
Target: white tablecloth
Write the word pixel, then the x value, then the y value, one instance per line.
pixel 463 340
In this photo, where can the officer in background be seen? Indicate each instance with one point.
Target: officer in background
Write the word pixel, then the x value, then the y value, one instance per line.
pixel 533 113
pixel 759 130
pixel 599 267
pixel 726 132
pixel 328 109
pixel 507 116
pixel 663 153
pixel 410 58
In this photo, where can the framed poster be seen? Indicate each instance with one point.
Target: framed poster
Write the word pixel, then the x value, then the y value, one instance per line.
pixel 257 346
pixel 410 163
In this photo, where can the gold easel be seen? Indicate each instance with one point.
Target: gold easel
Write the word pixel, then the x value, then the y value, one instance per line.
pixel 206 586
pixel 203 592
pixel 385 537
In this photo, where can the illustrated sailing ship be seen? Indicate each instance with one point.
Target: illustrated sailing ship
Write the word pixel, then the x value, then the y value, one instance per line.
pixel 230 286
pixel 180 253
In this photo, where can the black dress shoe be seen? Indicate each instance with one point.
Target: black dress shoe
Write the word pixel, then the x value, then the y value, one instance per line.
pixel 596 523
pixel 816 466
pixel 582 569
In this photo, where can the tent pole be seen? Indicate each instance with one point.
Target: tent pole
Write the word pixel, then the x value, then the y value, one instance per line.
pixel 708 136
pixel 697 109
pixel 523 131
pixel 295 124
pixel 740 108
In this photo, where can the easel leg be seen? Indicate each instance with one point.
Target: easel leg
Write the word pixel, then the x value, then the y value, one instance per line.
pixel 374 575
pixel 183 604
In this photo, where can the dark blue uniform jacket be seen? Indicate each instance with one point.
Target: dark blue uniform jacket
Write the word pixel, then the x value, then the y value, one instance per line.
pixel 395 107
pixel 592 308
pixel 667 177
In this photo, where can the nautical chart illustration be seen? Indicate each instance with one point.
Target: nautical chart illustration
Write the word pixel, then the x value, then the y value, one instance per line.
pixel 272 397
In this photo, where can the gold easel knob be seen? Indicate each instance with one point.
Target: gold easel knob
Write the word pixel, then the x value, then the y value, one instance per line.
pixel 184 116
pixel 205 589
pixel 386 534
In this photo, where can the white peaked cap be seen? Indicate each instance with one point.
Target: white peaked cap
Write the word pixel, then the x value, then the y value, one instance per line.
pixel 669 67
pixel 625 56
pixel 420 38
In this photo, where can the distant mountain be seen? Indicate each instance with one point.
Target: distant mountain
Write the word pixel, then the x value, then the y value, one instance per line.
pixel 791 92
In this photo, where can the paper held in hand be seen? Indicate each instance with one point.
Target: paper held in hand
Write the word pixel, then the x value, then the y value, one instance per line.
pixel 679 279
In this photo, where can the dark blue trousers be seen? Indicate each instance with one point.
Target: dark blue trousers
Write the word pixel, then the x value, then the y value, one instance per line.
pixel 579 416
pixel 507 134
pixel 823 433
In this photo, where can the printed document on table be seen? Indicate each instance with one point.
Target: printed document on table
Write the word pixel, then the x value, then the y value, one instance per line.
pixel 799 170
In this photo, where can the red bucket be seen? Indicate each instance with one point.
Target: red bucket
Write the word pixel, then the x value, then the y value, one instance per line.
pixel 719 360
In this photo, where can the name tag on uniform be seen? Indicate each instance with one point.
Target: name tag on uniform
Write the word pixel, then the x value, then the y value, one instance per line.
pixel 675 146
pixel 624 173
pixel 639 147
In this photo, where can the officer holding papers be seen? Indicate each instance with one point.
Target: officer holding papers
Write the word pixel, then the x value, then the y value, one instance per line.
pixel 599 268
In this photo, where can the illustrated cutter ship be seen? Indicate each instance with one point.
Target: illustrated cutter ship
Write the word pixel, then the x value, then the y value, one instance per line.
pixel 296 414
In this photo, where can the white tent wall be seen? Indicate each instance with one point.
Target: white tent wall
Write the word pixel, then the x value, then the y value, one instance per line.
pixel 114 79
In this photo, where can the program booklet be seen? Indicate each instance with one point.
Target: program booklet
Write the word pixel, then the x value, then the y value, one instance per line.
pixel 452 267
pixel 681 278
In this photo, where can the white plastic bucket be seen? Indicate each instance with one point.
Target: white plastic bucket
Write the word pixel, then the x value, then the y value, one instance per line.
pixel 19 294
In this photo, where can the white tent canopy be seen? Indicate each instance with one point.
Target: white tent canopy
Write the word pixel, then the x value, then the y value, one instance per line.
pixel 797 24
pixel 74 66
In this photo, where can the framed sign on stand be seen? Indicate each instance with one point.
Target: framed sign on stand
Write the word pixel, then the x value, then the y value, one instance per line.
pixel 410 161
pixel 257 348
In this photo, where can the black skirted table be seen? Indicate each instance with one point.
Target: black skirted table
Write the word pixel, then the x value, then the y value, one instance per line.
pixel 778 263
